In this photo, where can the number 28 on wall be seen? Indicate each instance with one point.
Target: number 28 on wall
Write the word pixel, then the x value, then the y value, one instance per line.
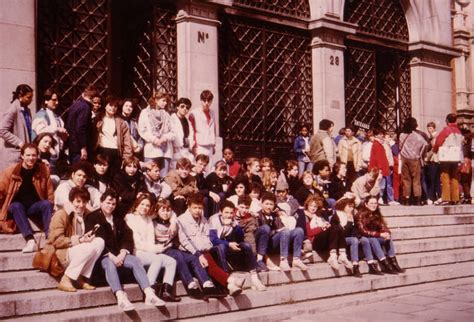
pixel 334 60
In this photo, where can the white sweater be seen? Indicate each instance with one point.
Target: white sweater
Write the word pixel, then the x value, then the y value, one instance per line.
pixel 143 233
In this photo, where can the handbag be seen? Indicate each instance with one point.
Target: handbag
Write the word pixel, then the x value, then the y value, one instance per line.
pixel 46 261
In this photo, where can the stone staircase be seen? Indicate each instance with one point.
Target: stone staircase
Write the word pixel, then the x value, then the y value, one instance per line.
pixel 433 243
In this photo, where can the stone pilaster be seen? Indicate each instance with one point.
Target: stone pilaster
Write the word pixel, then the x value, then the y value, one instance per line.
pixel 328 69
pixel 431 89
pixel 197 53
pixel 17 43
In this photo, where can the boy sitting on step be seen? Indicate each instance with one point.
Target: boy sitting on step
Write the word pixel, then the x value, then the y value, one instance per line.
pixel 228 239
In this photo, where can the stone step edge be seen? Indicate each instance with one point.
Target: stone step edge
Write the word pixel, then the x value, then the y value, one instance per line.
pixel 316 266
pixel 321 305
pixel 8 300
pixel 286 294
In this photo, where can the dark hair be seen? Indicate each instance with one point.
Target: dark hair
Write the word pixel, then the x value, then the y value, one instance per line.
pixel 337 167
pixel 290 164
pixel 320 165
pixel 325 124
pixel 81 193
pixel 226 204
pixel 140 198
pixel 220 165
pixel 184 163
pixel 82 165
pixel 255 186
pixel 206 95
pixel 109 192
pixel 162 203
pixel 29 145
pixel 342 130
pixel 21 90
pixel 244 199
pixel 410 125
pixel 343 202
pixel 91 91
pixel 130 160
pixel 451 118
pixel 431 124
pixel 185 101
pixel 196 199
pixel 202 157
pixel 48 94
pixel 377 131
pixel 157 96
pixel 101 159
pixel 40 136
pixel 365 212
pixel 268 196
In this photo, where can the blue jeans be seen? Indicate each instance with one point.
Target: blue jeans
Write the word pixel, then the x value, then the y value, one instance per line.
pixel 432 175
pixel 20 215
pixel 285 237
pixel 354 242
pixel 183 262
pixel 262 236
pixel 244 256
pixel 378 242
pixel 386 184
pixel 131 262
pixel 304 166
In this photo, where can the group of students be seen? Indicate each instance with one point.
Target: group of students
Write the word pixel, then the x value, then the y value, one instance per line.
pixel 143 195
pixel 415 168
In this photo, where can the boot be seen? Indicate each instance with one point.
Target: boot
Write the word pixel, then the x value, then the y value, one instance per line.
pixel 387 267
pixel 394 262
pixel 418 201
pixel 356 271
pixel 374 269
pixel 166 293
pixel 405 201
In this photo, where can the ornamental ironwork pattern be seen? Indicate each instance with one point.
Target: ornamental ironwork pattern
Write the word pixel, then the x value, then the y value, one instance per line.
pixel 156 63
pixel 72 46
pixel 265 86
pixel 377 87
pixel 384 18
pixel 294 8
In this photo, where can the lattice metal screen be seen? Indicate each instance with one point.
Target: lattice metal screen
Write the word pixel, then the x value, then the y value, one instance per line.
pixel 295 8
pixel 156 64
pixel 72 46
pixel 378 17
pixel 265 86
pixel 373 78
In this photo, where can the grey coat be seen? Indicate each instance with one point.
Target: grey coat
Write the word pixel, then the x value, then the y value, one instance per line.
pixel 13 132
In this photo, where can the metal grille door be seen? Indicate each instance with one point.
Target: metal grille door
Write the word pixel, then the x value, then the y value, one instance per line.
pixel 265 86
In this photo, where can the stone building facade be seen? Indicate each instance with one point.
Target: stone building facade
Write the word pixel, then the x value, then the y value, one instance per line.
pixel 272 65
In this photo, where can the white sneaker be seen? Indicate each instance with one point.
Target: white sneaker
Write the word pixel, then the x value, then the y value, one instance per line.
pixel 239 282
pixel 233 289
pixel 381 202
pixel 332 261
pixel 257 283
pixel 284 266
pixel 30 246
pixel 299 264
pixel 344 260
pixel 123 303
pixel 429 201
pixel 393 203
pixel 152 299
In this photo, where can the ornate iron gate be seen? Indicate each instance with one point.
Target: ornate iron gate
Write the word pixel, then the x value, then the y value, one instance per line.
pixel 377 74
pixel 130 55
pixel 72 46
pixel 265 86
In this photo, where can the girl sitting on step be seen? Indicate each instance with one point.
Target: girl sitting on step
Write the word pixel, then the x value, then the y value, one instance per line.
pixel 370 222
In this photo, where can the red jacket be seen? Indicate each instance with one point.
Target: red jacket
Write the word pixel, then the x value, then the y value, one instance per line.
pixel 378 158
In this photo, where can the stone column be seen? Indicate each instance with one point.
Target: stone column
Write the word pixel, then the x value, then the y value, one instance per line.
pixel 197 45
pixel 328 69
pixel 431 89
pixel 17 43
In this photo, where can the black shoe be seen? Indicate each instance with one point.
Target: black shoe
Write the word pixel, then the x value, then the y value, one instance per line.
pixel 196 293
pixel 261 267
pixel 374 269
pixel 167 293
pixel 394 262
pixel 356 271
pixel 418 201
pixel 387 267
pixel 213 292
pixel 404 201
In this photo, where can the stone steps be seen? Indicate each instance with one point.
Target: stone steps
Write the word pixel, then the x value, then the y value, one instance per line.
pixel 431 232
pixel 282 294
pixel 428 221
pixel 403 211
pixel 50 300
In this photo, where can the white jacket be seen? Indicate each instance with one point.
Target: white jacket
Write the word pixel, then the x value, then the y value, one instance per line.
pixel 143 233
pixel 204 134
pixel 145 130
pixel 178 132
